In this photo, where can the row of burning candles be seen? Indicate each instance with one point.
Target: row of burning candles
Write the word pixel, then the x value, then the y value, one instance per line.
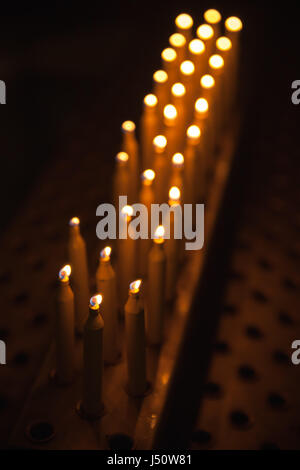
pixel 192 98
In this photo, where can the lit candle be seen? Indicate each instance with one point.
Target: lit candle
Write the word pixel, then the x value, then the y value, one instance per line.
pixel 205 32
pixel 224 48
pixel 197 56
pixel 201 119
pixel 121 177
pixel 178 92
pixel 207 89
pixel 233 27
pixel 184 23
pixel 187 70
pixel 161 91
pixel 216 68
pixel 149 128
pixel 178 42
pixel 130 146
pixel 213 17
pixel 156 289
pixel 191 166
pixel 170 131
pixel 92 405
pixel 126 256
pixel 135 341
pixel 78 260
pixel 64 331
pixel 172 245
pixel 161 168
pixel 146 198
pixel 177 171
pixel 169 60
pixel 106 284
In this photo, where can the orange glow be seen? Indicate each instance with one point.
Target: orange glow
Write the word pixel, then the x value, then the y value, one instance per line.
pixel 184 21
pixel 74 222
pixel 64 273
pixel 159 234
pixel 207 81
pixel 170 112
pixel 212 16
pixel 177 40
pixel 234 24
pixel 205 31
pixel 174 193
pixel 95 301
pixel 201 105
pixel 187 67
pixel 128 126
pixel 150 100
pixel 169 54
pixel 122 157
pixel 193 132
pixel 105 253
pixel 160 76
pixel 148 176
pixel 196 46
pixel 178 159
pixel 223 43
pixel 127 210
pixel 134 287
pixel 178 89
pixel 216 61
pixel 160 142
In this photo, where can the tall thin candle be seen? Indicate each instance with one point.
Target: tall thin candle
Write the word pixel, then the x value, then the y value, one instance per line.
pixel 130 146
pixel 184 23
pixel 161 91
pixel 126 256
pixel 149 128
pixel 161 168
pixel 172 245
pixel 146 198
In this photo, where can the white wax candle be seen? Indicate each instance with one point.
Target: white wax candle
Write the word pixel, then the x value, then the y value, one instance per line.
pixel 135 341
pixel 178 92
pixel 184 24
pixel 130 146
pixel 177 171
pixel 156 288
pixel 224 48
pixel 206 33
pixel 198 57
pixel 80 279
pixel 121 180
pixel 172 246
pixel 233 27
pixel 191 165
pixel 170 130
pixel 213 17
pixel 161 91
pixel 92 404
pixel 146 198
pixel 169 62
pixel 64 329
pixel 178 42
pixel 216 68
pixel 187 72
pixel 149 128
pixel 161 168
pixel 106 284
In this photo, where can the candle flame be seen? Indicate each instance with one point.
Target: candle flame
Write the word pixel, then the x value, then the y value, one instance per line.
pixel 95 301
pixel 64 273
pixel 134 286
pixel 223 43
pixel 178 159
pixel 196 46
pixel 193 132
pixel 201 105
pixel 170 112
pixel 122 157
pixel 128 126
pixel 205 31
pixel 177 40
pixel 234 24
pixel 184 21
pixel 159 234
pixel 127 210
pixel 174 193
pixel 74 222
pixel 150 100
pixel 207 81
pixel 160 76
pixel 105 253
pixel 187 67
pixel 169 54
pixel 160 142
pixel 178 89
pixel 148 175
pixel 216 61
pixel 212 16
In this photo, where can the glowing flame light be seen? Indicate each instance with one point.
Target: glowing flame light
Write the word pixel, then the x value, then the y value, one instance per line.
pixel 64 273
pixel 178 159
pixel 187 67
pixel 196 46
pixel 212 16
pixel 223 43
pixel 127 210
pixel 169 54
pixel 216 61
pixel 184 21
pixel 160 76
pixel 122 157
pixel 160 142
pixel 159 234
pixel 234 24
pixel 174 193
pixel 74 222
pixel 128 126
pixel 134 286
pixel 193 132
pixel 95 301
pixel 105 253
pixel 178 89
pixel 205 31
pixel 148 176
pixel 201 105
pixel 207 81
pixel 150 100
pixel 170 112
pixel 177 40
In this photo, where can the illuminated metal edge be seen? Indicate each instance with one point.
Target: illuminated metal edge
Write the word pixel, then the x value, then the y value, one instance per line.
pixel 136 417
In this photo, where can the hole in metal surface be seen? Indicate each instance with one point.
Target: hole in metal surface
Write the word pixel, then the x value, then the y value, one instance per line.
pixel 239 419
pixel 276 401
pixel 200 436
pixel 213 390
pixel 21 358
pixel 40 432
pixel 259 296
pixel 229 309
pixel 280 357
pixel 120 441
pixel 253 332
pixel 285 319
pixel 264 264
pixel 22 297
pixel 247 373
pixel 222 347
